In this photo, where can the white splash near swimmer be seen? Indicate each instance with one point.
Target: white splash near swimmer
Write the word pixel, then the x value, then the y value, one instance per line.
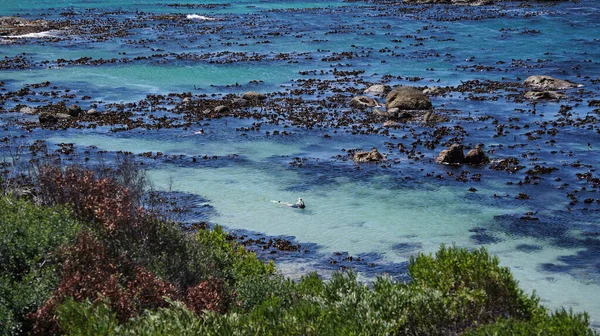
pixel 199 17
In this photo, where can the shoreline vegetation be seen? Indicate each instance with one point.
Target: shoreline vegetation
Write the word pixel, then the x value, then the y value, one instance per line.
pixel 88 252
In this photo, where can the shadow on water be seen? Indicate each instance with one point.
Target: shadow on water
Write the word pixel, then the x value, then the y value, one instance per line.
pixel 565 231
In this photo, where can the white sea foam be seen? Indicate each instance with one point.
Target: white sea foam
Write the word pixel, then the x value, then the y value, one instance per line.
pixel 49 33
pixel 200 17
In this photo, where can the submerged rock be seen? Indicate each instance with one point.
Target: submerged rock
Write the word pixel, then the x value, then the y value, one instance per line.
pixel 372 156
pixel 548 83
pixel 408 98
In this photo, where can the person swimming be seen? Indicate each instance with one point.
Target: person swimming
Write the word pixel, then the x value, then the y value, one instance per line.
pixel 299 204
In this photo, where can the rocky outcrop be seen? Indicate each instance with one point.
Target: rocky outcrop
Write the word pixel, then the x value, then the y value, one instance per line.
pixel 378 90
pixel 476 156
pixel 222 109
pixel 254 96
pixel 544 95
pixel 16 26
pixel 372 156
pixel 47 118
pixel 452 156
pixel 433 118
pixel 74 110
pixel 408 98
pixel 453 2
pixel 362 102
pixel 548 83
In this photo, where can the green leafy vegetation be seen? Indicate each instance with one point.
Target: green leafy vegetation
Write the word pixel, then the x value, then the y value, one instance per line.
pixel 93 260
pixel 30 237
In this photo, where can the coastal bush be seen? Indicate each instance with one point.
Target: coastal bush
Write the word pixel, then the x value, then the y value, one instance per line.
pixel 476 290
pixel 30 237
pixel 132 257
pixel 340 306
pixel 559 323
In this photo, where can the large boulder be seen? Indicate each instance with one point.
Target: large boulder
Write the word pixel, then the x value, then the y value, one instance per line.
pixel 548 83
pixel 74 110
pixel 476 156
pixel 408 98
pixel 372 156
pixel 452 156
pixel 362 102
pixel 254 96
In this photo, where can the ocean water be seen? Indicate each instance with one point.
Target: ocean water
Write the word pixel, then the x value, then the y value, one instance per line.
pixel 380 213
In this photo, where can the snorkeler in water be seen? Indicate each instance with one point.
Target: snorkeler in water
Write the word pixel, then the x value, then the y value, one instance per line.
pixel 299 204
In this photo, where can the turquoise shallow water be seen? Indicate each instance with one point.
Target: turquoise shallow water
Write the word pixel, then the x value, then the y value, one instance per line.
pixel 386 214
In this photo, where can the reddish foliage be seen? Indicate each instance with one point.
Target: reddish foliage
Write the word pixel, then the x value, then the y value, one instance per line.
pixel 207 295
pixel 88 273
pixel 101 265
pixel 102 201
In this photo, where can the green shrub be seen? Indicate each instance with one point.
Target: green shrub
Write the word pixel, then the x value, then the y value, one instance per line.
pixel 84 318
pixel 475 288
pixel 559 323
pixel 30 236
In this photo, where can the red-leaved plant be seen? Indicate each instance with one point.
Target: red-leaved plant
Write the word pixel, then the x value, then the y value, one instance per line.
pixel 101 264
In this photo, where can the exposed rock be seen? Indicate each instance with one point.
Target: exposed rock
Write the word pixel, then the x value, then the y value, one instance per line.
pixel 403 115
pixel 432 91
pixel 391 123
pixel 378 90
pixel 381 113
pixel 433 118
pixel 74 110
pixel 254 96
pixel 222 109
pixel 15 26
pixel 453 2
pixel 92 112
pixel 52 118
pixel 408 98
pixel 452 156
pixel 240 102
pixel 47 118
pixel 510 164
pixel 476 156
pixel 28 110
pixel 393 112
pixel 362 102
pixel 63 116
pixel 548 83
pixel 372 156
pixel 551 95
